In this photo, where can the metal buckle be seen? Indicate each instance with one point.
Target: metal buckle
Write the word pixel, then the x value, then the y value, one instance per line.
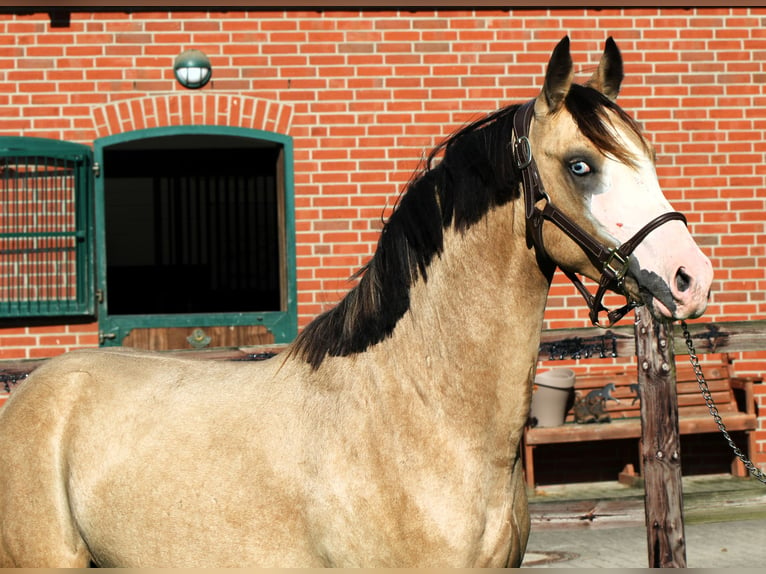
pixel 595 318
pixel 618 273
pixel 522 161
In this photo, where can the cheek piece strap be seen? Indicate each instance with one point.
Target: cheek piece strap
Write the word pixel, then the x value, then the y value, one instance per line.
pixel 612 261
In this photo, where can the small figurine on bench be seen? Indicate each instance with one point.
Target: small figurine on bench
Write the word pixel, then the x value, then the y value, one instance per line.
pixel 591 408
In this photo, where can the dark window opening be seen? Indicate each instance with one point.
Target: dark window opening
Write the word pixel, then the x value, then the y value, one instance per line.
pixel 192 229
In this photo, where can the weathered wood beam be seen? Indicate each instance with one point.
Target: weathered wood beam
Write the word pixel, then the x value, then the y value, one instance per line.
pixel 722 337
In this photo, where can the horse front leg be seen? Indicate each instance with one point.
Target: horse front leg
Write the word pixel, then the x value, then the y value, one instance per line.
pixel 36 525
pixel 36 528
pixel 520 521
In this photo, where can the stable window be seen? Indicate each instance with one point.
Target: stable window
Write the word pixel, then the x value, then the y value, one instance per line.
pixel 192 230
pixel 195 238
pixel 45 229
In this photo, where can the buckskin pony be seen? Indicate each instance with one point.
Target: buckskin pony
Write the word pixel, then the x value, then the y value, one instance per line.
pixel 388 433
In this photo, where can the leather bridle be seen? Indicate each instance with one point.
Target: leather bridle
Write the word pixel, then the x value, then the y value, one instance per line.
pixel 612 261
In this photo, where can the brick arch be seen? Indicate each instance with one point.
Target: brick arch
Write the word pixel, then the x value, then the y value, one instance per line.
pixel 191 109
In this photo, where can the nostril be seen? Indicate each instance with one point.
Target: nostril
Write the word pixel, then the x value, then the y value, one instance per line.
pixel 683 281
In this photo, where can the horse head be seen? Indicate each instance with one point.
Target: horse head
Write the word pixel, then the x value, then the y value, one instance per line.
pixel 597 171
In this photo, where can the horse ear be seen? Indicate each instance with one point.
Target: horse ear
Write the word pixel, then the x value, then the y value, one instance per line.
pixel 608 77
pixel 558 78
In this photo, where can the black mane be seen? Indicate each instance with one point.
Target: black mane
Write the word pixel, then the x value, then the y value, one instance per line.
pixel 476 174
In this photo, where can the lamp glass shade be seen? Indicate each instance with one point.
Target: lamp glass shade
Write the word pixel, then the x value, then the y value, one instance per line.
pixel 192 69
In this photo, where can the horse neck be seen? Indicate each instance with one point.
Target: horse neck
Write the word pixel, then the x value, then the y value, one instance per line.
pixel 470 339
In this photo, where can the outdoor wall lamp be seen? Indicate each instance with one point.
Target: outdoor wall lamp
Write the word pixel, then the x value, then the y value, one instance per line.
pixel 192 69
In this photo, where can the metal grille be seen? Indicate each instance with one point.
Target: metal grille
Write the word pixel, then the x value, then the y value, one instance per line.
pixel 43 235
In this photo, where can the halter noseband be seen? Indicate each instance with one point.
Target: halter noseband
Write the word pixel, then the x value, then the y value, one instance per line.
pixel 613 261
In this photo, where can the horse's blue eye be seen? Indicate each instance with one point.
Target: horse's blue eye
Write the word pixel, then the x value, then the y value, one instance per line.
pixel 579 168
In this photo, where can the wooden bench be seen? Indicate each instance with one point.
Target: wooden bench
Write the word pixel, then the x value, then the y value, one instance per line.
pixel 733 397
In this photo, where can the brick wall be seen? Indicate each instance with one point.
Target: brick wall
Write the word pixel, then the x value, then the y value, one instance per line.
pixel 368 93
pixel 365 94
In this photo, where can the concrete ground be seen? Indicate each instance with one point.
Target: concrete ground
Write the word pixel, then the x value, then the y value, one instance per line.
pixel 601 525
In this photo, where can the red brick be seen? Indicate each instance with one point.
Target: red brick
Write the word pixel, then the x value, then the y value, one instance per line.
pixel 42 352
pixel 392 84
pixel 58 340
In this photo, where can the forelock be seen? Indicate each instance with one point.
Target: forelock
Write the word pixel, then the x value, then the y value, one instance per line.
pixel 595 116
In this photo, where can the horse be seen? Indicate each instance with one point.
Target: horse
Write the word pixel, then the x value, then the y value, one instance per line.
pixel 387 433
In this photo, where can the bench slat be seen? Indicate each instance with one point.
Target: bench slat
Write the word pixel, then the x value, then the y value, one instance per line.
pixel 688 403
pixel 631 428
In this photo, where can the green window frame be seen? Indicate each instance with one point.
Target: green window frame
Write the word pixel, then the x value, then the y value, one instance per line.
pixel 46 232
pixel 283 324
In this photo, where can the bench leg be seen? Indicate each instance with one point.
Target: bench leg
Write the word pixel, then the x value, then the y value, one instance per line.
pixel 529 465
pixel 737 466
pixel 628 476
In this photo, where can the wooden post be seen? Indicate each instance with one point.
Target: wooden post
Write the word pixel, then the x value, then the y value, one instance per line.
pixel 660 444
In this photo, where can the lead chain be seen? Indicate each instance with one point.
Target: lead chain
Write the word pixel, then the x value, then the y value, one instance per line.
pixel 754 471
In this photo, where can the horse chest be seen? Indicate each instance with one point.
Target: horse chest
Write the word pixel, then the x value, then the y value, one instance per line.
pixel 425 524
pixel 419 546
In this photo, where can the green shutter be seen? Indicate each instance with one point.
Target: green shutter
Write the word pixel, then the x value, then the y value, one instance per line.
pixel 45 228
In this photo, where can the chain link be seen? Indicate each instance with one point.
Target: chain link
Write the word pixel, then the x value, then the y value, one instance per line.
pixel 754 471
